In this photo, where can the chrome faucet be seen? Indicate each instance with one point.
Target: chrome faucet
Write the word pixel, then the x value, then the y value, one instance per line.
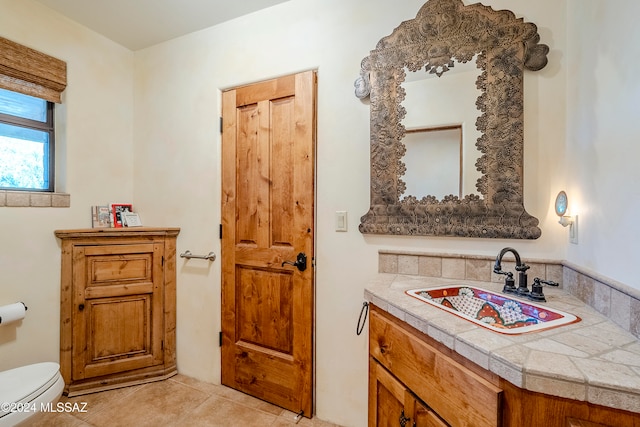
pixel 521 268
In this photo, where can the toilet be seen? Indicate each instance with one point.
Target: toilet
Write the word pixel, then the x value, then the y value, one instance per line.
pixel 27 390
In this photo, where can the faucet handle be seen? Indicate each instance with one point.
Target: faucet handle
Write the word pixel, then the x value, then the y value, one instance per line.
pixel 546 282
pixel 536 289
pixel 509 283
pixel 536 293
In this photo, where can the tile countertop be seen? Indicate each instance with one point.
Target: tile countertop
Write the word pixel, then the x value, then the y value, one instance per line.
pixel 593 360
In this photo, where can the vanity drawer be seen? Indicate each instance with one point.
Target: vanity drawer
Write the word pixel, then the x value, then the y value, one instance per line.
pixel 458 395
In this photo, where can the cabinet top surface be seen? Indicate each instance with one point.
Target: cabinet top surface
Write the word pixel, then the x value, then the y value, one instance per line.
pixel 593 360
pixel 117 232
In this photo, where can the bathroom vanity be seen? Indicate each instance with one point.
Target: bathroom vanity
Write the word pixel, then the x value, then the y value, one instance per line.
pixel 118 307
pixel 434 368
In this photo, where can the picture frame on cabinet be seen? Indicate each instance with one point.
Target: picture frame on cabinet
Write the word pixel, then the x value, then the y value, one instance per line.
pixel 131 219
pixel 116 213
pixel 100 216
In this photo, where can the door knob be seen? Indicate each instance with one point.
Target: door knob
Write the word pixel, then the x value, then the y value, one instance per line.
pixel 300 262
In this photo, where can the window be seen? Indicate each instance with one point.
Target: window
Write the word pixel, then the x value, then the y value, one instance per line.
pixel 30 83
pixel 26 142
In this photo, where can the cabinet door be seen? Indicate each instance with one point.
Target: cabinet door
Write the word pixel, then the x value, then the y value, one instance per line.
pixel 391 404
pixel 386 397
pixel 117 313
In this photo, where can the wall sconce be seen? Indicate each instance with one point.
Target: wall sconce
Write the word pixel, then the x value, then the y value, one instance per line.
pixel 565 220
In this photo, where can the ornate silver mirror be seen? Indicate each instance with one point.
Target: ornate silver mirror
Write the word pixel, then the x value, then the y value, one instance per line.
pixel 444 36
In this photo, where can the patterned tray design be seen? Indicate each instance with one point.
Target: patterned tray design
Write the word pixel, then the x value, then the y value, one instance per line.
pixel 488 308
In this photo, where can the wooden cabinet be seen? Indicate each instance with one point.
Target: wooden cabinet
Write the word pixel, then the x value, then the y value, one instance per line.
pixel 118 308
pixel 451 391
pixel 406 367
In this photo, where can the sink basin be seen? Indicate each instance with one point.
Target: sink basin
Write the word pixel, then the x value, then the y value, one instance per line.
pixel 500 313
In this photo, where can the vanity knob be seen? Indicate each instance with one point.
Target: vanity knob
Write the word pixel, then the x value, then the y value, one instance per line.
pixel 383 348
pixel 403 419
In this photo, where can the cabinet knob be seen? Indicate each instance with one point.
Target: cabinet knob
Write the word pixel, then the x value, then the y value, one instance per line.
pixel 403 419
pixel 81 307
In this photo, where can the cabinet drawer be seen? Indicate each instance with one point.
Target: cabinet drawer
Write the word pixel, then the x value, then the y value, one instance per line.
pixel 107 264
pixel 118 270
pixel 455 393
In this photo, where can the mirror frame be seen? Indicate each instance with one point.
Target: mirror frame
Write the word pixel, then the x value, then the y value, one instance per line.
pixel 444 31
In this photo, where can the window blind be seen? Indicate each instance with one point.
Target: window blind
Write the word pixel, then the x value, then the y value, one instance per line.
pixel 31 72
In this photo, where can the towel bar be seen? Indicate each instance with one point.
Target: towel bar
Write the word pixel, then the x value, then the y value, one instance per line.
pixel 188 255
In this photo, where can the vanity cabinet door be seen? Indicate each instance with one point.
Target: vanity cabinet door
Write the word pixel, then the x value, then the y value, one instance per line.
pixel 386 397
pixel 391 404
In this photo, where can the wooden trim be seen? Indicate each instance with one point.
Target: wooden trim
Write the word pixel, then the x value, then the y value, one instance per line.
pixel 117 232
pixel 31 72
pixel 126 379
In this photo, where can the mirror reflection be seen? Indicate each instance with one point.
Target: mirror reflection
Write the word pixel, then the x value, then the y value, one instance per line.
pixel 435 107
pixel 441 149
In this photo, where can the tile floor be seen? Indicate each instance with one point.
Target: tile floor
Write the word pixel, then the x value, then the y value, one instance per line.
pixel 178 401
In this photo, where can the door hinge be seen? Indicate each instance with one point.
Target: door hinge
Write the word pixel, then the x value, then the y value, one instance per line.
pixel 220 231
pixel 220 338
pixel 220 124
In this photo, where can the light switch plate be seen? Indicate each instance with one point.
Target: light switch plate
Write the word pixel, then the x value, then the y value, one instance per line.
pixel 341 220
pixel 573 231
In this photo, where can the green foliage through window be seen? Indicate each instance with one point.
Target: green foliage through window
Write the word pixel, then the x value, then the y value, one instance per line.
pixel 26 142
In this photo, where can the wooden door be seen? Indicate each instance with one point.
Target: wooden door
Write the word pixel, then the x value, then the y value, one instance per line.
pixel 268 219
pixel 117 314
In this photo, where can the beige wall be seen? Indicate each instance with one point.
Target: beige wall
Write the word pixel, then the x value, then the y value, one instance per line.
pixel 143 127
pixel 602 149
pixel 95 163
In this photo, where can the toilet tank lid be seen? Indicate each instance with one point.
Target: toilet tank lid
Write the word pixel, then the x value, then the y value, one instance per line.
pixel 27 382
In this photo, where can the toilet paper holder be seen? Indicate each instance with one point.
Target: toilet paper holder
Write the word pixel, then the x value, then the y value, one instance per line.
pixel 20 302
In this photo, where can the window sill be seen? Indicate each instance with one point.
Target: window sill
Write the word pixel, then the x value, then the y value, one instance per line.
pixel 33 199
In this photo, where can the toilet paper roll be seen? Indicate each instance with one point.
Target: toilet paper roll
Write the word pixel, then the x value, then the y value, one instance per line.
pixel 12 312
